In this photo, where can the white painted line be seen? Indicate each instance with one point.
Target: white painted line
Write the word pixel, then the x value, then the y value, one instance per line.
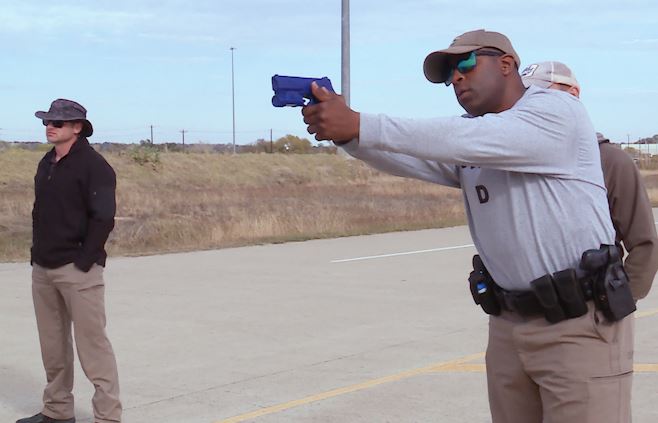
pixel 403 254
pixel 407 253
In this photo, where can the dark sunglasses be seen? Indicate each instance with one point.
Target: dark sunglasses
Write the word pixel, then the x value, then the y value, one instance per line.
pixel 54 123
pixel 468 64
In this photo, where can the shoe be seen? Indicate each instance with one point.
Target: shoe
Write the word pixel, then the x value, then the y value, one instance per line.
pixel 40 418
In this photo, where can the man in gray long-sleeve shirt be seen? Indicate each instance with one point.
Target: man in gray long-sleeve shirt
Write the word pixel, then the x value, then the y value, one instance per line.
pixel 629 203
pixel 528 164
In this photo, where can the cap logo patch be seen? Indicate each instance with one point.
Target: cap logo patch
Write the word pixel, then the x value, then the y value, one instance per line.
pixel 529 70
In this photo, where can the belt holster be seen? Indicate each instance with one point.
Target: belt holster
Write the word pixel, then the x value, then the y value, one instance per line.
pixel 483 288
pixel 570 291
pixel 612 292
pixel 548 298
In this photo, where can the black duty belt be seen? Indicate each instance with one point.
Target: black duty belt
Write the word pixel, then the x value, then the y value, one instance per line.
pixel 600 276
pixel 526 303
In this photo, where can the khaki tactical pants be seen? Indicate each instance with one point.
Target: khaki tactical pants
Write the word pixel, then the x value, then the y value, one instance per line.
pixel 576 371
pixel 63 296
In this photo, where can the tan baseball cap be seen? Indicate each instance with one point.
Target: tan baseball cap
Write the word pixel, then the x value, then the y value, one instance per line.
pixel 435 65
pixel 544 74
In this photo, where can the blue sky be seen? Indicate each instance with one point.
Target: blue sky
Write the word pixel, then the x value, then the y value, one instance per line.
pixel 167 63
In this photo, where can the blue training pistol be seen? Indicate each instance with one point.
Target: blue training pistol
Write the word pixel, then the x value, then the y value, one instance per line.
pixel 293 90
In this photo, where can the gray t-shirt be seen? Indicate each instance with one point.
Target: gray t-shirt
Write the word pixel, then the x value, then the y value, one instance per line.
pixel 531 178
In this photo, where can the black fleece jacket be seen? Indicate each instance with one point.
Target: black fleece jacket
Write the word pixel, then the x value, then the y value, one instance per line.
pixel 74 208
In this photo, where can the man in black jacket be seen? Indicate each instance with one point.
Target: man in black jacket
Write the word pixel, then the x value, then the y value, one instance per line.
pixel 72 218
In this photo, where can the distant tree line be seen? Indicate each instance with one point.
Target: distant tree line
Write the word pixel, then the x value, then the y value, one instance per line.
pixel 289 144
pixel 651 140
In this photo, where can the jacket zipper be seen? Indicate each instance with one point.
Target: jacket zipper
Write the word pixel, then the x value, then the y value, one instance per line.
pixel 51 170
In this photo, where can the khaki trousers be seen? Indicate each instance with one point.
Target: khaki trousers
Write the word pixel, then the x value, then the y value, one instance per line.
pixel 63 296
pixel 576 371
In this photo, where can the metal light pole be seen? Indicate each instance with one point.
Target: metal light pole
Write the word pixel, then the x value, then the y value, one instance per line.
pixel 233 96
pixel 345 59
pixel 345 52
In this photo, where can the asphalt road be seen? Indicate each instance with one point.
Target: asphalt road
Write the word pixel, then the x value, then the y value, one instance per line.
pixel 363 329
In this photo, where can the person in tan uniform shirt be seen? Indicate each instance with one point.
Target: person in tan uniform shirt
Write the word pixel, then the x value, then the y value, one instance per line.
pixel 630 208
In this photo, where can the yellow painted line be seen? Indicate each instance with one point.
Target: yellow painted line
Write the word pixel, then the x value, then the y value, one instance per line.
pixel 648 368
pixel 458 365
pixel 481 368
pixel 647 313
pixel 463 368
pixel 353 388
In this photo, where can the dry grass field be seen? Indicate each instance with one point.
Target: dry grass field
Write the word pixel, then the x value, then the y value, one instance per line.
pixel 201 201
pixel 651 183
pixel 191 201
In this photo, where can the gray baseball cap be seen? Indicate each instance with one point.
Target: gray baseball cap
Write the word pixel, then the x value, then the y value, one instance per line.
pixel 436 63
pixel 67 110
pixel 545 74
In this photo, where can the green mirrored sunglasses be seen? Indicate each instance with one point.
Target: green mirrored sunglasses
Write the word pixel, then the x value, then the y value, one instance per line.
pixel 468 64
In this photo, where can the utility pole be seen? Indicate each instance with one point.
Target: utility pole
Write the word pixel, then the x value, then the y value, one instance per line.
pixel 345 59
pixel 271 145
pixel 183 133
pixel 345 52
pixel 233 96
pixel 152 142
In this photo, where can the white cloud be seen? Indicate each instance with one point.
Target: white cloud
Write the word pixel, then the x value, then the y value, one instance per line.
pixel 32 17
pixel 647 42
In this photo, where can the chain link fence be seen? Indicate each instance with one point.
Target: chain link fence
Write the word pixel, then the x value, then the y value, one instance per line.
pixel 644 155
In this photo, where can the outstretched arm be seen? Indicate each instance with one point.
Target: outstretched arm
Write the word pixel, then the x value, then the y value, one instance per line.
pixel 331 119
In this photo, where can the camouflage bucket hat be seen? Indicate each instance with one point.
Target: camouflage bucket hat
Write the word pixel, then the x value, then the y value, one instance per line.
pixel 67 110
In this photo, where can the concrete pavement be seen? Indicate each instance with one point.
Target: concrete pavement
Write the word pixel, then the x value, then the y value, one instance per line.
pixel 339 330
